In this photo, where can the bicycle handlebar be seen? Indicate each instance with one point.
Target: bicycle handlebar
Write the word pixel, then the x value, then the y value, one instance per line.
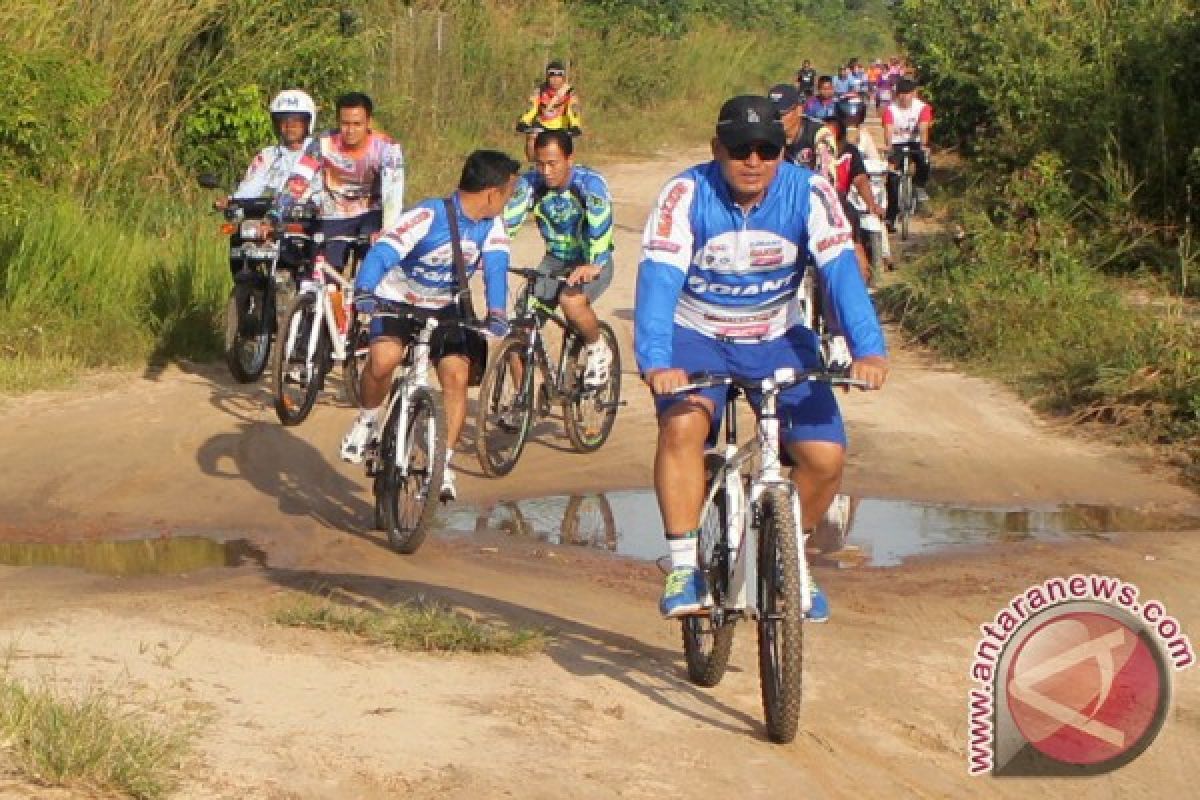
pixel 783 378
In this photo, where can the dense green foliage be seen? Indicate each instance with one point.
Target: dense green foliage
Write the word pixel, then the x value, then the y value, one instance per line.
pixel 1083 144
pixel 108 254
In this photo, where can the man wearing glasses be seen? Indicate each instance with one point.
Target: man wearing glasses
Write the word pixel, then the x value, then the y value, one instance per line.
pixel 553 106
pixel 722 256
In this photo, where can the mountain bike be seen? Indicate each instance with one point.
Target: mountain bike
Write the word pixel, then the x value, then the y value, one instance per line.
pixel 906 197
pixel 409 458
pixel 751 552
pixel 508 401
pixel 320 329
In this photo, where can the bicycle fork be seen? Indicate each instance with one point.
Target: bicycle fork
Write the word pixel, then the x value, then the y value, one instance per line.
pixel 772 475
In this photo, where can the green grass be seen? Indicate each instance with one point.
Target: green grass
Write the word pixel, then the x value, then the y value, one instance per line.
pixel 1026 304
pixel 92 742
pixel 415 626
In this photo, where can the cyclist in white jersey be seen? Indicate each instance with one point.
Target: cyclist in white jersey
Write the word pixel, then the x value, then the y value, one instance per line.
pixel 907 124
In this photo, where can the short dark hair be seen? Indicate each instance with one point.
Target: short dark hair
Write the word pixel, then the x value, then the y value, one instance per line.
pixel 555 136
pixel 824 79
pixel 487 169
pixel 355 100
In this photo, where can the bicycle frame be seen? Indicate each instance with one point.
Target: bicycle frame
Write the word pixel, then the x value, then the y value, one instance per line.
pixel 742 505
pixel 536 354
pixel 410 377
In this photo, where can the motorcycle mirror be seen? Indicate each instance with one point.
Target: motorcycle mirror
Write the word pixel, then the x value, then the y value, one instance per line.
pixel 208 181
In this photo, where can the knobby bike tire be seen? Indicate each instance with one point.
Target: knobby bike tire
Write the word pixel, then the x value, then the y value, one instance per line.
pixel 289 411
pixel 498 443
pixel 706 646
pixel 906 203
pixel 405 500
pixel 247 333
pixel 581 403
pixel 781 617
pixel 574 531
pixel 357 341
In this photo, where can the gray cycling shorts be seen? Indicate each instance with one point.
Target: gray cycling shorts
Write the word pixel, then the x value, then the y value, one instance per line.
pixel 547 290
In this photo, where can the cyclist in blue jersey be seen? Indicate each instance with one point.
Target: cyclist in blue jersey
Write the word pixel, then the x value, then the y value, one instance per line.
pixel 574 213
pixel 413 265
pixel 722 256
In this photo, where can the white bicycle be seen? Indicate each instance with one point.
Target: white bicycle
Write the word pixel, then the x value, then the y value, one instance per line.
pixel 320 330
pixel 751 552
pixel 408 460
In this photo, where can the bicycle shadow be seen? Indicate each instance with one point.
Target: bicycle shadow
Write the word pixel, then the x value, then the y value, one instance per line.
pixel 581 649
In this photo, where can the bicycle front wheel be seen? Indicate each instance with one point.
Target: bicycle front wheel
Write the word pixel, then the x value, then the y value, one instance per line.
pixel 906 206
pixel 247 333
pixel 707 642
pixel 781 617
pixel 406 479
pixel 504 410
pixel 589 412
pixel 297 379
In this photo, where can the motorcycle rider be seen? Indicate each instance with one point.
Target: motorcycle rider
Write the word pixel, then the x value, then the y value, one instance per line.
pixel 801 129
pixel 360 175
pixel 293 116
pixel 820 105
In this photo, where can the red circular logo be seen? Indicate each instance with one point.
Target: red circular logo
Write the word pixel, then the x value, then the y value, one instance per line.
pixel 1085 688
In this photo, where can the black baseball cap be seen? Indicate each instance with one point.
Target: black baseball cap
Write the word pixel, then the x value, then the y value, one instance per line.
pixel 749 118
pixel 556 66
pixel 784 97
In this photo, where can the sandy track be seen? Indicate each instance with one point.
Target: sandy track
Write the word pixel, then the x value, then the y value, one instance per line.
pixel 297 714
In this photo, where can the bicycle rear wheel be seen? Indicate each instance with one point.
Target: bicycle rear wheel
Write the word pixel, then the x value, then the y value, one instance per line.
pixel 247 333
pixel 297 380
pixel 358 342
pixel 589 413
pixel 404 499
pixel 781 617
pixel 706 642
pixel 504 410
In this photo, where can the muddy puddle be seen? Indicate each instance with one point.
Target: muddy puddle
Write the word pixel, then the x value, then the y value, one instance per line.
pixel 133 557
pixel 871 532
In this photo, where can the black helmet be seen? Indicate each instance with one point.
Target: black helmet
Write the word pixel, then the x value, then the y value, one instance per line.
pixel 850 110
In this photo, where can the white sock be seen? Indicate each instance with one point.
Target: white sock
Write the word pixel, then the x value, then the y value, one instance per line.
pixel 367 416
pixel 683 551
pixel 449 456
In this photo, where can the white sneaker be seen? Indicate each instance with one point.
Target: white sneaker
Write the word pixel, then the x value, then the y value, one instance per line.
pixel 599 361
pixel 356 441
pixel 449 490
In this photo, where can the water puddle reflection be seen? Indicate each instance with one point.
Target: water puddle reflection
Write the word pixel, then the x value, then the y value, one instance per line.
pixel 132 557
pixel 870 532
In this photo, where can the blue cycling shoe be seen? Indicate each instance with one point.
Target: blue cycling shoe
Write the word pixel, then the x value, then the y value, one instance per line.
pixel 683 593
pixel 820 603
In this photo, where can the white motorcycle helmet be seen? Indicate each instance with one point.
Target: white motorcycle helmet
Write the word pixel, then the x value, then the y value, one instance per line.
pixel 294 101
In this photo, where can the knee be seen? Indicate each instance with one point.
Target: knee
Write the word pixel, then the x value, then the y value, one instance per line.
pixel 820 461
pixel 683 430
pixel 453 374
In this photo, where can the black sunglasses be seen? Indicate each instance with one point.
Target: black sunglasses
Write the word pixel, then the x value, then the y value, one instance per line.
pixel 555 72
pixel 766 151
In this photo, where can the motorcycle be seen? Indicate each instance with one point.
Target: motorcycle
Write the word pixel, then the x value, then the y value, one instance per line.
pixel 263 255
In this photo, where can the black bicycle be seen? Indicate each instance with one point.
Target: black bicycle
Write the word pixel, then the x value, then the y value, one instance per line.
pixel 521 384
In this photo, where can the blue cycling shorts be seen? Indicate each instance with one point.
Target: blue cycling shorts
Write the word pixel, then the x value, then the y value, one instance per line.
pixel 808 412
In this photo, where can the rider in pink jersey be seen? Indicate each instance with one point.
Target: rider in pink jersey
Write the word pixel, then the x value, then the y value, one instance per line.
pixel 357 175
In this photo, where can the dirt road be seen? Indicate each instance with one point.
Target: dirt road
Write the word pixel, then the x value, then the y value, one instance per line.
pixel 606 711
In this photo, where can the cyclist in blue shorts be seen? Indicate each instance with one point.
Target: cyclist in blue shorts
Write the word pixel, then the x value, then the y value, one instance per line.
pixel 722 256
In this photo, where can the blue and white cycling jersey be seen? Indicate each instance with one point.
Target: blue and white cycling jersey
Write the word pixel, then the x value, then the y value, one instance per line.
pixel 713 268
pixel 414 262
pixel 576 222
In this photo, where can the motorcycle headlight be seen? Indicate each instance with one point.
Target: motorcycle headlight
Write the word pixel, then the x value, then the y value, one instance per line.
pixel 252 230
